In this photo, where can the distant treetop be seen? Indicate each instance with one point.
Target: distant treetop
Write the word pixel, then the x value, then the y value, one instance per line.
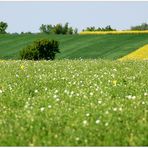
pixel 107 28
pixel 143 26
pixel 58 29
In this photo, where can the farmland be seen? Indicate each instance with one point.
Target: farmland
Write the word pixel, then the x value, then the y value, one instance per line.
pixel 73 74
pixel 73 103
pixel 86 97
pixel 76 46
pixel 141 53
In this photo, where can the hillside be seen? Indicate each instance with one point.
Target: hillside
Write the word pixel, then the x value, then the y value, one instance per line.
pixel 76 46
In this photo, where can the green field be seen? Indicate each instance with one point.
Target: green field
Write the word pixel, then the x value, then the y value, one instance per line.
pixel 73 102
pixel 76 46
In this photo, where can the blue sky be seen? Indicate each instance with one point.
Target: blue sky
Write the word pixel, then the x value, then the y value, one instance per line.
pixel 28 16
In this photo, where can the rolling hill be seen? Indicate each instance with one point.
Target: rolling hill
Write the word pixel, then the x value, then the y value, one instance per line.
pixel 76 46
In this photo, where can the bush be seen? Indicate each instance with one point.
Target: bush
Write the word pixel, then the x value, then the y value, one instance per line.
pixel 42 49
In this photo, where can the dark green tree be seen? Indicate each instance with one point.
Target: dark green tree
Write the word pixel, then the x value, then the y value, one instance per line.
pixel 65 28
pixel 143 26
pixel 3 27
pixel 58 29
pixel 43 28
pixel 75 31
pixel 70 30
pixel 107 28
pixel 49 28
pixel 41 50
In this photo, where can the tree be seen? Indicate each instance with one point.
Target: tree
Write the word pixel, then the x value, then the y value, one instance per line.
pixel 107 28
pixel 90 28
pixel 41 49
pixel 49 28
pixel 43 28
pixel 143 26
pixel 3 27
pixel 65 28
pixel 75 31
pixel 99 29
pixel 70 30
pixel 58 29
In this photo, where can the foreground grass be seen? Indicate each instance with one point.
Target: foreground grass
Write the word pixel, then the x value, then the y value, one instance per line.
pixel 70 103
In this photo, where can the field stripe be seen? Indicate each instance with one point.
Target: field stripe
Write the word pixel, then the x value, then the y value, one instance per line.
pixel 139 54
pixel 114 32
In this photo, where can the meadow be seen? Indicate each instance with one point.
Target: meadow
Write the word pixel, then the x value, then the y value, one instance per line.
pixel 111 46
pixel 74 102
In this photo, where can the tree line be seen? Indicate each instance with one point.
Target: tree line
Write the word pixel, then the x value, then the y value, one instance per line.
pixel 107 28
pixel 66 29
pixel 58 29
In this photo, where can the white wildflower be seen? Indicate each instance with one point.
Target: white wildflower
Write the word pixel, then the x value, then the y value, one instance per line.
pixel 91 93
pixel 120 109
pixel 85 122
pixel 87 114
pixel 99 102
pixel 17 75
pixel 55 96
pixel 36 91
pixel 42 109
pixel 72 92
pixel 27 76
pixel 107 112
pixel 56 91
pixel 97 121
pixel 49 106
pixel 133 97
pixel 1 91
pixel 57 99
pixel 115 109
pixel 77 138
pixel 106 124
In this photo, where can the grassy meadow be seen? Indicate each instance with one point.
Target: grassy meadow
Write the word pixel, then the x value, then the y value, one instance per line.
pixel 110 47
pixel 73 102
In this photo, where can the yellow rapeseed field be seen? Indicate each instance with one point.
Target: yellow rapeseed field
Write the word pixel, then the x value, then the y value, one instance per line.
pixel 139 54
pixel 115 32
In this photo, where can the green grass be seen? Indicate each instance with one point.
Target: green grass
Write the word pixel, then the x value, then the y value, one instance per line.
pixel 73 102
pixel 76 46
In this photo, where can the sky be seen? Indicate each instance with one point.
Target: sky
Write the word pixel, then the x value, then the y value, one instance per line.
pixel 28 16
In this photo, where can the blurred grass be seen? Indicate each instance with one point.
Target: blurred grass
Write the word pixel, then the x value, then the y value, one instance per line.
pixel 73 103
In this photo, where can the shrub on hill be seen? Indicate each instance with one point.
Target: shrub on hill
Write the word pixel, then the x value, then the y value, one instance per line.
pixel 41 50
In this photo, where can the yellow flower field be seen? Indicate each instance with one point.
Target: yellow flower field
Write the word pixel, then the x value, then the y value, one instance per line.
pixel 115 32
pixel 139 54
